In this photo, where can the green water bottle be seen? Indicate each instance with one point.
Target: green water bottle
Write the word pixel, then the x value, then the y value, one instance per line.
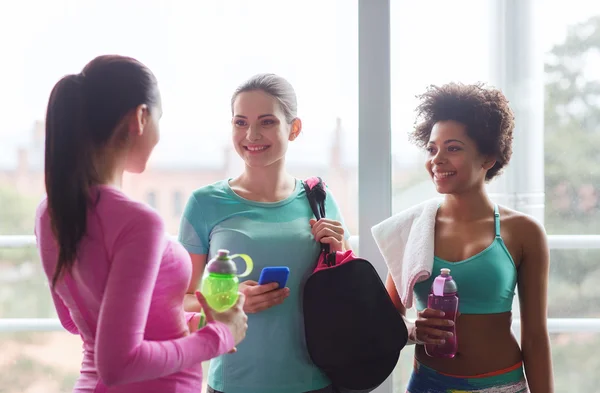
pixel 220 283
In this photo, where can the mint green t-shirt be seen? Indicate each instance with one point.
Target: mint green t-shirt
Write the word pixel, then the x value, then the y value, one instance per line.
pixel 273 356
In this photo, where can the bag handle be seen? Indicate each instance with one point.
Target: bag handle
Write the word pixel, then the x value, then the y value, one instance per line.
pixel 316 195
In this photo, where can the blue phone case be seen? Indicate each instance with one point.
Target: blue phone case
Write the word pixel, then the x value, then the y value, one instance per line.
pixel 278 274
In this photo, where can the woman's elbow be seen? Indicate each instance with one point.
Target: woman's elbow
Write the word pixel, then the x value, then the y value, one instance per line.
pixel 111 376
pixel 111 371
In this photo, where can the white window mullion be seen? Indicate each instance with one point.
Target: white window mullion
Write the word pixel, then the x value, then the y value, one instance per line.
pixel 374 130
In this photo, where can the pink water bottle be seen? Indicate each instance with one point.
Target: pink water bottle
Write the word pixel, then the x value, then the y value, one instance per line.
pixel 444 297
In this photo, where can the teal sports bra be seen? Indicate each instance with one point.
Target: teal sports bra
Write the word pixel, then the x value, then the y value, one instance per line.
pixel 486 281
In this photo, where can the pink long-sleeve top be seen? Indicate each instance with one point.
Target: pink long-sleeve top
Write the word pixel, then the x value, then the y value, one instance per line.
pixel 124 297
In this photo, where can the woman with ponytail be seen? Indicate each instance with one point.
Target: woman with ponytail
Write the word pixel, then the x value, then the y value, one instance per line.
pixel 115 278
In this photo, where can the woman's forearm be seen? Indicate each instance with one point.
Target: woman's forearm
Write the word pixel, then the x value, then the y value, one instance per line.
pixel 538 364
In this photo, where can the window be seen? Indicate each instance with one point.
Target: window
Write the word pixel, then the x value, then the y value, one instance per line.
pixel 151 199
pixel 425 58
pixel 571 146
pixel 200 53
pixel 177 204
pixel 197 70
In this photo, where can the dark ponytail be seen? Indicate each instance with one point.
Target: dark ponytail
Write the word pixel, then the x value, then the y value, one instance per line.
pixel 67 165
pixel 83 113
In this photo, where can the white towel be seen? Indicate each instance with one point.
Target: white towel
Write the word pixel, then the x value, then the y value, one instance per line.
pixel 406 241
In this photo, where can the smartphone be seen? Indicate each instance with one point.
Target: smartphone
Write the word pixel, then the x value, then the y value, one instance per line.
pixel 278 274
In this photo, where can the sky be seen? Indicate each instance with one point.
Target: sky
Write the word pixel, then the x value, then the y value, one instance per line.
pixel 201 50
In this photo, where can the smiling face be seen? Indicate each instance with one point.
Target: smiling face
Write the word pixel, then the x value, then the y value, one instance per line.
pixel 260 131
pixel 453 159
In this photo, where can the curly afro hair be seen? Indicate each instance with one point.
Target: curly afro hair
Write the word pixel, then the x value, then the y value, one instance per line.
pixel 484 111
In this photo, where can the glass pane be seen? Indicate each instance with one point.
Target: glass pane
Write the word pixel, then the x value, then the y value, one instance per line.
pixel 572 143
pixel 200 53
pixel 17 212
pixel 573 287
pixel 576 362
pixel 572 116
pixel 23 286
pixel 421 56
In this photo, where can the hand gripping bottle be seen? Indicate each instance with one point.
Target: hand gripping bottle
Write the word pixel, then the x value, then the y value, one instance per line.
pixel 220 282
pixel 444 297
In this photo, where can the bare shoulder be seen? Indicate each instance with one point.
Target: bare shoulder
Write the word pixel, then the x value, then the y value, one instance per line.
pixel 525 232
pixel 520 223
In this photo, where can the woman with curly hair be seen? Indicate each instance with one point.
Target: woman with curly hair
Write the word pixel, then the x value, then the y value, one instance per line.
pixel 467 132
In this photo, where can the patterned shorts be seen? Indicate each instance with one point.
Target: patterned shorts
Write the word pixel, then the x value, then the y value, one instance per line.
pixel 426 380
